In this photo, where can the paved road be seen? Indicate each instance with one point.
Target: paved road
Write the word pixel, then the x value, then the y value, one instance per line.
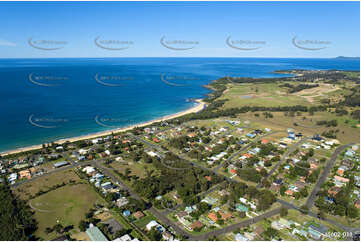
pixel 243 149
pixel 232 227
pixel 311 199
pixel 162 217
pixel 312 214
pixel 284 158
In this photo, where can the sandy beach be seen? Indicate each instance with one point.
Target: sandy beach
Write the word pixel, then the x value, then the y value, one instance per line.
pixel 200 105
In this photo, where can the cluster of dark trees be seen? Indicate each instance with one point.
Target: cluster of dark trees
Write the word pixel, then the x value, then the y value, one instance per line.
pixel 16 217
pixel 265 198
pixel 331 134
pixel 176 174
pixel 331 123
pixel 343 204
pixel 298 88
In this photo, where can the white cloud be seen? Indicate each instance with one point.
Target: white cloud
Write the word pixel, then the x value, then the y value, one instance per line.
pixel 6 43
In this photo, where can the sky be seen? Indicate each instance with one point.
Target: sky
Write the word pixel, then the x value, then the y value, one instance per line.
pixel 179 29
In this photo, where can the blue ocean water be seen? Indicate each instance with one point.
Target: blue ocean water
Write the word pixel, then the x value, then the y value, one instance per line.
pixel 48 99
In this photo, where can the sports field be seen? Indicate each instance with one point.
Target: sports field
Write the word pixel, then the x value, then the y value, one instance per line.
pixel 66 205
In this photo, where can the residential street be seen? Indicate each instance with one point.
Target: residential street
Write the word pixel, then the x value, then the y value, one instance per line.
pixel 312 197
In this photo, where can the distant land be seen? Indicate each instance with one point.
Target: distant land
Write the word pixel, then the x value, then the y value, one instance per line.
pixel 347 58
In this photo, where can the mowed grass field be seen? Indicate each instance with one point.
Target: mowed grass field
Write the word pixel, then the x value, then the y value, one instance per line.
pixel 260 94
pixel 24 191
pixel 67 205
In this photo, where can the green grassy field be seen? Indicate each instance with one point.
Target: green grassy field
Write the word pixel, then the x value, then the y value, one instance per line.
pixel 261 94
pixel 44 182
pixel 67 205
pixel 142 222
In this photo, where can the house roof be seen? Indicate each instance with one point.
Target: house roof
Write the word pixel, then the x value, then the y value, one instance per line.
pixel 196 224
pixel 95 234
pixel 213 217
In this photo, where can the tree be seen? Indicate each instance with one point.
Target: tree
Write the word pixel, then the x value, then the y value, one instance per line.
pixel 283 189
pixel 353 212
pixel 154 234
pixel 304 209
pixel 284 211
pixel 340 210
pixel 270 233
pixel 16 217
pixel 59 228
pixel 82 225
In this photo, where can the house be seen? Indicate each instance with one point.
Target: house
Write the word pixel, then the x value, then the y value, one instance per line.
pixel 154 223
pixel 60 164
pixel 121 202
pixel 278 182
pixel 289 192
pixel 357 203
pixel 340 181
pixel 209 178
pixel 126 213
pixel 167 236
pixel 299 232
pixel 251 135
pixel 213 216
pixel 181 215
pixel 317 232
pixel 156 140
pixel 276 225
pixel 190 209
pixel 138 214
pixel 95 234
pixel 264 141
pixel 12 177
pixel 341 170
pixel 259 231
pixel 210 200
pixel 25 174
pixel 350 153
pixel 241 208
pixel 240 237
pixel 88 169
pixel 300 185
pixel 225 216
pixel 333 191
pixel 196 225
pixel 125 237
pixel 107 186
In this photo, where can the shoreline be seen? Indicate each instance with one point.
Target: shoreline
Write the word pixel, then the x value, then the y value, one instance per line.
pixel 200 106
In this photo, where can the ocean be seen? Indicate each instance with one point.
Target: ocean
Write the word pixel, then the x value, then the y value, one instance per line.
pixel 49 99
